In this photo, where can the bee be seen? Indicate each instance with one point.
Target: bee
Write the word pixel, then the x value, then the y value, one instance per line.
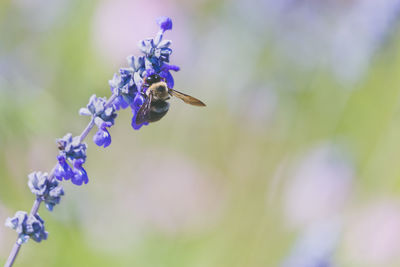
pixel 60 146
pixel 156 95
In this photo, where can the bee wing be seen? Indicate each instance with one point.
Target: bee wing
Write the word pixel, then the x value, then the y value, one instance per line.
pixel 186 98
pixel 144 111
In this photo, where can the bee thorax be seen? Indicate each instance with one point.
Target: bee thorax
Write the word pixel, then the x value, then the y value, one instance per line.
pixel 159 91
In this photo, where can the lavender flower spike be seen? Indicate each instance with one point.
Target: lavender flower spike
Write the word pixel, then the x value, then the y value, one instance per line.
pixel 128 90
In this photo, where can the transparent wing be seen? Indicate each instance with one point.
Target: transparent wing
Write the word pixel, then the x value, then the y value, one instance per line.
pixel 144 111
pixel 187 98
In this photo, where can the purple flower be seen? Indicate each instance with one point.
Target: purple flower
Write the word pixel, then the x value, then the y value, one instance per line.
pixel 168 67
pixel 71 147
pixel 54 195
pixel 18 222
pixel 35 228
pixel 168 79
pixel 124 86
pixel 128 84
pixel 48 191
pixel 27 226
pixel 139 100
pixel 138 80
pixel 315 246
pixel 156 50
pixel 128 90
pixel 102 137
pixel 37 182
pixel 103 117
pixel 166 74
pixel 120 103
pixel 73 151
pixel 63 170
pixel 150 71
pixel 137 64
pixel 96 108
pixel 165 23
pixel 80 175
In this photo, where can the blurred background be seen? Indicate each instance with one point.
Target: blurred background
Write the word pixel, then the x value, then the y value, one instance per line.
pixel 294 162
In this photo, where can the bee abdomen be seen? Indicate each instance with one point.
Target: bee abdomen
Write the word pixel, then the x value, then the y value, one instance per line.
pixel 158 110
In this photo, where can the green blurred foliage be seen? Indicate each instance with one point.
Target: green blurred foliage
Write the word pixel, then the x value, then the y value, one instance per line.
pixel 243 156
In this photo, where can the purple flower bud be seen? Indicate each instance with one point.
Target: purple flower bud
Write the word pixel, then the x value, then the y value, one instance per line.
pixel 165 23
pixel 63 170
pixel 115 83
pixel 80 175
pixel 72 147
pixel 54 195
pixel 48 191
pixel 35 228
pixel 102 137
pixel 27 226
pixel 37 182
pixel 97 108
pixel 17 222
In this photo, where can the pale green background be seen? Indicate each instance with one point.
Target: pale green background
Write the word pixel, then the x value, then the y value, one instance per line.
pixel 207 187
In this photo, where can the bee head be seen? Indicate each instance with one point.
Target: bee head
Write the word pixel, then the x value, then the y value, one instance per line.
pixel 154 78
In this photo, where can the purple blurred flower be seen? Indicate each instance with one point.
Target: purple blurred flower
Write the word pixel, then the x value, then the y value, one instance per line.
pixel 372 236
pixel 342 36
pixel 155 199
pixel 315 247
pixel 320 185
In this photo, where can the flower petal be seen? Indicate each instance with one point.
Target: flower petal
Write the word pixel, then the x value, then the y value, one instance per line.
pixel 168 78
pixel 165 23
pixel 102 137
